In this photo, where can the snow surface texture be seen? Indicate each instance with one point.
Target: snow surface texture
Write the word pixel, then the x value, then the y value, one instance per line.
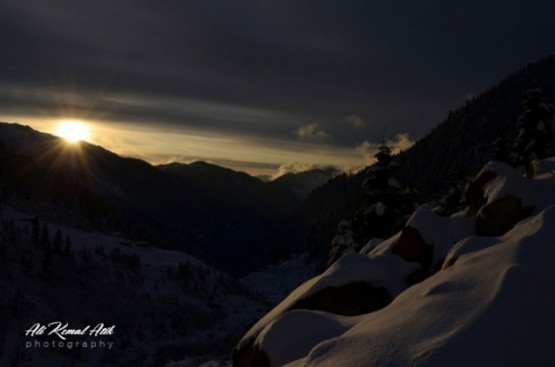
pixel 89 240
pixel 537 193
pixel 370 245
pixel 491 304
pixel 241 310
pixel 311 328
pixel 440 232
pixel 493 307
pixel 386 271
pixel 275 282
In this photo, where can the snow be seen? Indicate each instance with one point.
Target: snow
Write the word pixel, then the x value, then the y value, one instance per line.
pixel 338 240
pixel 392 182
pixel 89 240
pixel 344 223
pixel 293 334
pixel 275 282
pixel 544 168
pixel 440 232
pixel 385 247
pixel 532 193
pixel 387 271
pixel 492 307
pixel 377 208
pixel 241 309
pixel 370 245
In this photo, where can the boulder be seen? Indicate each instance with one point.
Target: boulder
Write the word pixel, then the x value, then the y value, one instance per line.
pixel 348 300
pixel 412 247
pixel 475 191
pixel 498 217
pixel 250 355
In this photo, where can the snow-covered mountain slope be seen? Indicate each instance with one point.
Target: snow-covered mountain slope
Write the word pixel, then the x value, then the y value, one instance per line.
pixel 303 183
pixel 490 303
pixel 195 310
pixel 274 282
pixel 89 240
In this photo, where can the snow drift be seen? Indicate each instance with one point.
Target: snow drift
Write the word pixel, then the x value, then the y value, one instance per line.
pixel 492 307
pixel 491 304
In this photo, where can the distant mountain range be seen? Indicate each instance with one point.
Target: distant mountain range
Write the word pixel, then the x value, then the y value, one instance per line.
pixel 303 183
pixel 207 210
pixel 223 216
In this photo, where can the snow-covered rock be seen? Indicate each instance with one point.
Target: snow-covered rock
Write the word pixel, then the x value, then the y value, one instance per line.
pixel 427 237
pixel 491 304
pixel 440 232
pixel 492 307
pixel 357 274
pixel 293 334
pixel 370 245
pixel 377 209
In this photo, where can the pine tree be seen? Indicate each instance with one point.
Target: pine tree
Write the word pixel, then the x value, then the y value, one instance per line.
pixel 452 196
pixel 44 237
pixel 501 145
pixel 535 138
pixel 35 232
pixel 389 205
pixel 342 241
pixel 58 242
pixel 68 246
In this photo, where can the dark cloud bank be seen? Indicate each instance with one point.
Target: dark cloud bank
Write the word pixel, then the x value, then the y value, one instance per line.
pixel 328 72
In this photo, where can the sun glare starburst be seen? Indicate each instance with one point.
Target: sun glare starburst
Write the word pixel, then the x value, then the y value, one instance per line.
pixel 72 131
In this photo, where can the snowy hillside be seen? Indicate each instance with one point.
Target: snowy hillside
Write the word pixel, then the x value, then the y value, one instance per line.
pixel 196 311
pixel 274 282
pixel 488 302
pixel 303 183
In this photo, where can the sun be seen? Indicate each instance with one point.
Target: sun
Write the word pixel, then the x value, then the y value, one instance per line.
pixel 72 131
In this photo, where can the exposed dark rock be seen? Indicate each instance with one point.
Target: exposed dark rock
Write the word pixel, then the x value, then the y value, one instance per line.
pixel 349 300
pixel 411 247
pixel 498 217
pixel 475 192
pixel 250 356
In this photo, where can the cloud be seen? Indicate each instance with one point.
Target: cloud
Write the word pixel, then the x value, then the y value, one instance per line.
pixel 296 167
pixel 312 132
pixel 399 143
pixel 356 121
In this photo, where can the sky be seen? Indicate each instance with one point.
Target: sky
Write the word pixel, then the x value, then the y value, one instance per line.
pixel 258 85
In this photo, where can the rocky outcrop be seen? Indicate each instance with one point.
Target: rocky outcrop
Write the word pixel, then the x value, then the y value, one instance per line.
pixel 412 247
pixel 348 300
pixel 250 355
pixel 498 217
pixel 475 191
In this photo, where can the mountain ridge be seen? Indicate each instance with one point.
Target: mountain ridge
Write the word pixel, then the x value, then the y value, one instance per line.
pixel 90 186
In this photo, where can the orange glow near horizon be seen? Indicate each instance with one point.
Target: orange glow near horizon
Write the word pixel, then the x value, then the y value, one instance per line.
pixel 72 131
pixel 157 145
